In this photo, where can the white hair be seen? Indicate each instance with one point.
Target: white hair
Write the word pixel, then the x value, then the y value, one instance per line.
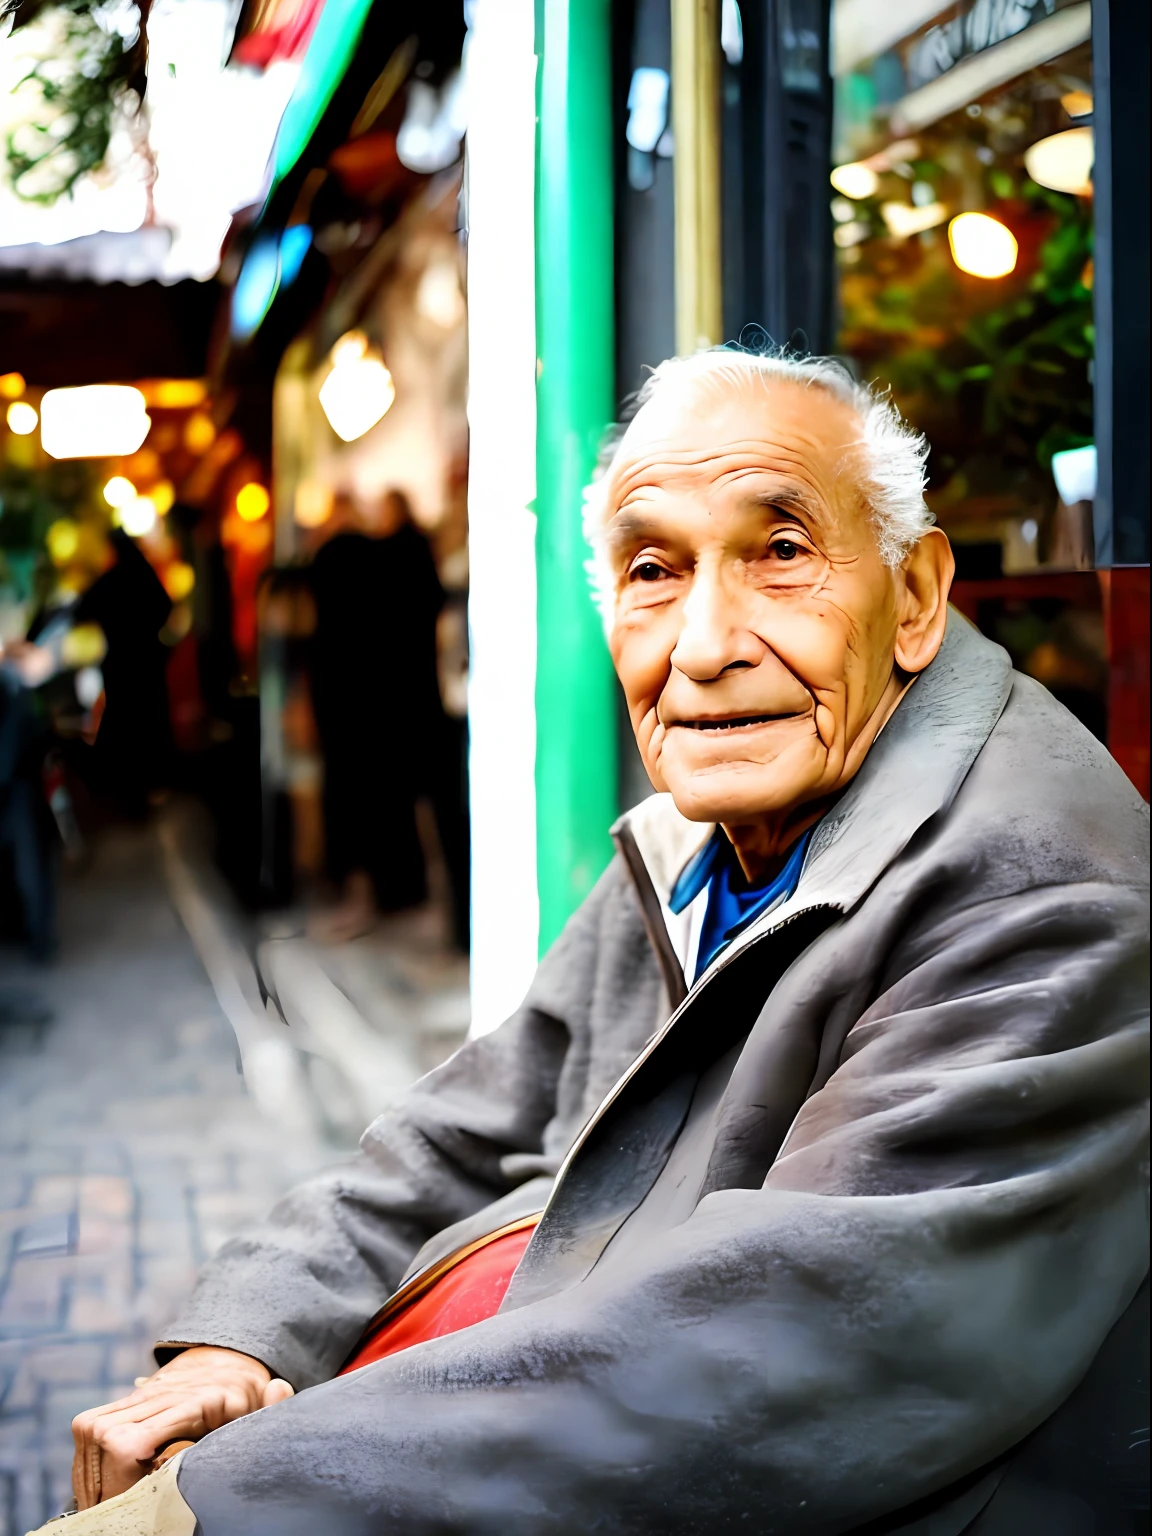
pixel 895 455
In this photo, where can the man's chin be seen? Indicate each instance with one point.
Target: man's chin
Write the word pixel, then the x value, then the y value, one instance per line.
pixel 736 793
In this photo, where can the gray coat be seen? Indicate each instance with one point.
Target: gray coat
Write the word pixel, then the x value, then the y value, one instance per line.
pixel 834 1231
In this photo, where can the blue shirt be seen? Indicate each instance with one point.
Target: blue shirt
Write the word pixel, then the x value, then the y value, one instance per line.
pixel 732 902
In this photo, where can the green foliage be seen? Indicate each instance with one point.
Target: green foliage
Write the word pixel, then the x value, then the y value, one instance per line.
pixel 32 498
pixel 996 372
pixel 91 70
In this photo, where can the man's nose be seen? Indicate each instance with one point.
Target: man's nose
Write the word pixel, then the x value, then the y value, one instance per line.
pixel 715 636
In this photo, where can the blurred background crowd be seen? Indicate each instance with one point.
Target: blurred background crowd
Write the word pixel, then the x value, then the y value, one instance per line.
pixel 312 316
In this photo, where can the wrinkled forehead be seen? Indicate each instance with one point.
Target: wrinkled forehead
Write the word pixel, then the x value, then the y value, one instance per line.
pixel 726 422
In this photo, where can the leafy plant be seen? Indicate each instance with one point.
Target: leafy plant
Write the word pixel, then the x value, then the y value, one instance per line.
pixel 83 69
pixel 997 373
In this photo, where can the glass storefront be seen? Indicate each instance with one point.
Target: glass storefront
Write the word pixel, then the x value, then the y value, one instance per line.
pixel 962 201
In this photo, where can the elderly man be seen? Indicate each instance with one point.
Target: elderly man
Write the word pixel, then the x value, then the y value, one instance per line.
pixel 826 1113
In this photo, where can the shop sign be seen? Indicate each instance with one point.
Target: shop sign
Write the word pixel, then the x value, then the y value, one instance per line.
pixel 977 27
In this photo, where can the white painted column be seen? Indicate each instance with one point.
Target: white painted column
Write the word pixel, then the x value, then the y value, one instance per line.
pixel 501 148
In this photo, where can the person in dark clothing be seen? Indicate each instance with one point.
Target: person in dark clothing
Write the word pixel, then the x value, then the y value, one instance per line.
pixel 26 832
pixel 129 603
pixel 378 710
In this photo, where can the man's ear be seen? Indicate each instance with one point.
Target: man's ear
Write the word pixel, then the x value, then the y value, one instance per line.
pixel 926 579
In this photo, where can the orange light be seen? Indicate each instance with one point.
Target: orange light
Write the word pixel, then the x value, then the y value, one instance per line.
pixel 199 433
pixel 119 491
pixel 22 418
pixel 313 504
pixel 12 386
pixel 179 579
pixel 252 502
pixel 982 246
pixel 174 394
pixel 856 181
pixel 1063 161
pixel 163 495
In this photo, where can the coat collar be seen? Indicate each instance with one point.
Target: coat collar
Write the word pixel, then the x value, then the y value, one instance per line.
pixel 913 770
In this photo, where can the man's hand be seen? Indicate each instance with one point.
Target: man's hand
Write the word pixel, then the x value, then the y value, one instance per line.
pixel 186 1399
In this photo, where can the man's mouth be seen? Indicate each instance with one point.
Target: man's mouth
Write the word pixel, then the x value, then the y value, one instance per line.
pixel 733 722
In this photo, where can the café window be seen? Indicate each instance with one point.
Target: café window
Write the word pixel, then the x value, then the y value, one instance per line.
pixel 962 207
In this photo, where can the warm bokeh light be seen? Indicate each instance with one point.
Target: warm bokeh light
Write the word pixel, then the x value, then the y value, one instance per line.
pixel 138 517
pixel 163 495
pixel 359 391
pixel 252 501
pixel 119 491
pixel 438 298
pixel 199 433
pixel 175 394
pixel 1076 103
pixel 313 504
pixel 144 466
pixel 904 219
pixel 1063 162
pixel 179 579
pixel 855 181
pixel 83 646
pixel 12 386
pixel 982 246
pixel 94 421
pixel 22 418
pixel 62 540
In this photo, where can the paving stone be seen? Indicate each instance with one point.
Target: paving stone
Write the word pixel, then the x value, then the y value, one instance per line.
pixel 118 1120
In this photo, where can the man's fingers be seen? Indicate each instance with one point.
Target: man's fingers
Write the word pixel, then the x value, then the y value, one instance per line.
pixel 132 1440
pixel 117 1442
pixel 277 1391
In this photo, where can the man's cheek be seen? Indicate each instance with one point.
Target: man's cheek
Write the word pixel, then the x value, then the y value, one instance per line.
pixel 641 657
pixel 812 643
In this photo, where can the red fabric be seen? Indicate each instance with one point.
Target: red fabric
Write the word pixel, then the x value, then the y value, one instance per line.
pixel 467 1294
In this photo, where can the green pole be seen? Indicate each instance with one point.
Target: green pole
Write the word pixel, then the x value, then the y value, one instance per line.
pixel 576 796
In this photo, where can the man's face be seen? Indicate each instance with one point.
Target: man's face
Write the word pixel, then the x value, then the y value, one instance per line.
pixel 755 622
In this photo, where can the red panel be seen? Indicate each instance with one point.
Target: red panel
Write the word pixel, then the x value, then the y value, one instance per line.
pixel 467 1294
pixel 1126 614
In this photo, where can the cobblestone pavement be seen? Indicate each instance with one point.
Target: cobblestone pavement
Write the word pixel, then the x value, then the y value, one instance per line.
pixel 129 1150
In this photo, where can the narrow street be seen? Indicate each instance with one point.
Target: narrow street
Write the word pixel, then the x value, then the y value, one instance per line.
pixel 130 1144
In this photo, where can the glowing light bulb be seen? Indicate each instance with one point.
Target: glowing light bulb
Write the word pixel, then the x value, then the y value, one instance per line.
pixel 1063 162
pixel 359 391
pixel 252 501
pixel 94 421
pixel 12 386
pixel 855 181
pixel 138 517
pixel 119 491
pixel 22 418
pixel 982 246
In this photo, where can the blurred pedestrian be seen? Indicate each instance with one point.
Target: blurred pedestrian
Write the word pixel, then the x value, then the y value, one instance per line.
pixel 129 603
pixel 26 834
pixel 377 705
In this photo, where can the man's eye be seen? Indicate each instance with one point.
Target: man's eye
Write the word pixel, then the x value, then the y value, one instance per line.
pixel 648 570
pixel 785 549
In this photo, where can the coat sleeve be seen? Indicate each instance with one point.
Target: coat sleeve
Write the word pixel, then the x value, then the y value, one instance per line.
pixel 297 1291
pixel 954 1224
